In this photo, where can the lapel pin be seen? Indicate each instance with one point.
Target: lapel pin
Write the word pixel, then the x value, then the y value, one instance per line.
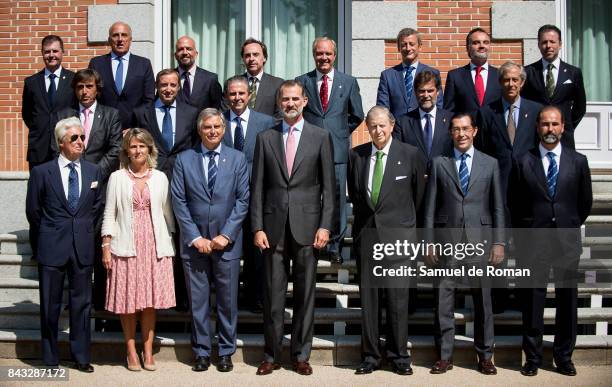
pixel 399 162
pixel 564 70
pixel 525 115
pixel 339 86
pixel 443 119
pixel 223 160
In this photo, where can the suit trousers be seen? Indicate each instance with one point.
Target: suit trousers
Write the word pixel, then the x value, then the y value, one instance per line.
pixel 276 273
pixel 337 237
pixel 253 265
pixel 444 320
pixel 200 274
pixel 51 288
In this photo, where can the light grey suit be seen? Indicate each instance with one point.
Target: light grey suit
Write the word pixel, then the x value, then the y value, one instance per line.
pixel 481 208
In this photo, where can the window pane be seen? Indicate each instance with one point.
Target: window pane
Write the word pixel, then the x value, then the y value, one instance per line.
pixel 218 28
pixel 589 47
pixel 290 26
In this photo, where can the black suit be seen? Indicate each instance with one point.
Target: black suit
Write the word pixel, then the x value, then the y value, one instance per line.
pixel 569 95
pixel 138 85
pixel 290 209
pixel 205 92
pixel 265 101
pixel 533 208
pixel 40 118
pixel 401 193
pixel 460 92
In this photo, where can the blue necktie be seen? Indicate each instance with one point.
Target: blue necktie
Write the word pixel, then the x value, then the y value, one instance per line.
pixel 428 133
pixel 73 187
pixel 212 169
pixel 51 91
pixel 167 128
pixel 464 175
pixel 408 83
pixel 119 75
pixel 551 176
pixel 238 135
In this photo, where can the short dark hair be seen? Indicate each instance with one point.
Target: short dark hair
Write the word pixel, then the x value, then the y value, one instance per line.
pixel 548 28
pixel 408 32
pixel 264 49
pixel 468 38
pixel 166 72
pixel 427 76
pixel 50 39
pixel 459 115
pixel 235 79
pixel 86 75
pixel 290 83
pixel 548 108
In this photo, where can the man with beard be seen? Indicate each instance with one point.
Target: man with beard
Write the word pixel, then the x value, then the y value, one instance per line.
pixel 292 209
pixel 200 88
pixel 475 84
pixel 551 189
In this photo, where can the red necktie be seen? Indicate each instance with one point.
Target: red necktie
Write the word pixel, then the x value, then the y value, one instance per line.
pixel 323 93
pixel 479 85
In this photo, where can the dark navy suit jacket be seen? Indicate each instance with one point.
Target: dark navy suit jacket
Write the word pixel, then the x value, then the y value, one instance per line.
pixel 460 93
pixel 206 91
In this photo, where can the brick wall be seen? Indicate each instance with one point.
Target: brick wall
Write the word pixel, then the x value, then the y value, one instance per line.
pixel 444 26
pixel 23 24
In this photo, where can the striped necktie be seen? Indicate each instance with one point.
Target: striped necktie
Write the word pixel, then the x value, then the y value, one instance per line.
pixel 551 176
pixel 464 175
pixel 212 169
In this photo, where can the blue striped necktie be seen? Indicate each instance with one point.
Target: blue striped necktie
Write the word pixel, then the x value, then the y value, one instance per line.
pixel 408 83
pixel 212 169
pixel 551 176
pixel 464 175
pixel 73 187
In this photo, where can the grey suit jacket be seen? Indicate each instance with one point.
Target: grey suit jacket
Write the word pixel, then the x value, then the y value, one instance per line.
pixel 344 112
pixel 105 138
pixel 306 199
pixel 480 208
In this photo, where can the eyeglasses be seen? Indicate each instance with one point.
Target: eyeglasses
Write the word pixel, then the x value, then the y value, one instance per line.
pixel 462 130
pixel 75 137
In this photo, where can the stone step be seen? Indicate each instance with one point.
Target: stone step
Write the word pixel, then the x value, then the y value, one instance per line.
pixel 326 349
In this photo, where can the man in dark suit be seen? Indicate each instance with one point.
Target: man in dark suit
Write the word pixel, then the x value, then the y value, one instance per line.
pixel 386 183
pixel 200 88
pixel 210 198
pixel 396 89
pixel 551 189
pixel 292 210
pixel 464 192
pixel 550 81
pixel 244 124
pixel 334 105
pixel 62 204
pixel 475 84
pixel 102 130
pixel 130 87
pixel 44 94
pixel 262 86
pixel 427 126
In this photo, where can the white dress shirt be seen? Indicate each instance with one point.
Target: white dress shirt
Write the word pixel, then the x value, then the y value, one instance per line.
pixel 297 132
pixel 191 75
pixel 484 73
pixel 206 159
pixel 545 161
pixel 432 119
pixel 556 63
pixel 115 63
pixel 65 172
pixel 244 121
pixel 56 80
pixel 385 151
pixel 468 160
pixel 160 111
pixel 330 82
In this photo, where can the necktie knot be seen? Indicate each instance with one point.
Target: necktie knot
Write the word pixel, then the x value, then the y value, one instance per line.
pixel 478 69
pixel 379 155
pixel 86 112
pixel 167 108
pixel 72 166
pixel 464 156
pixel 551 67
pixel 52 76
pixel 551 156
pixel 211 154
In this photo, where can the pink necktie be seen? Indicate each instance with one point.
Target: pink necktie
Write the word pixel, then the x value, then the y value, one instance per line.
pixel 86 124
pixel 479 85
pixel 290 149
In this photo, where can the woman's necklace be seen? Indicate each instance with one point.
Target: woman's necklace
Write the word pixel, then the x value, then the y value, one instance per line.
pixel 138 176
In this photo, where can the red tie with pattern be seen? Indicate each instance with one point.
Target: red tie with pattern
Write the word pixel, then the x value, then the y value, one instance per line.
pixel 479 85
pixel 323 93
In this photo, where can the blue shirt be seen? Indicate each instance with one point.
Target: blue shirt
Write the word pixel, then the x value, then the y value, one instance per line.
pixel 515 113
pixel 115 63
pixel 468 160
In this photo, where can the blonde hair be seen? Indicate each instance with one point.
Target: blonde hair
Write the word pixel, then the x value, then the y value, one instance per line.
pixel 143 136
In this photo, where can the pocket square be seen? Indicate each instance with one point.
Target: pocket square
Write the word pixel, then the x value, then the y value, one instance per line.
pixel 400 177
pixel 94 185
pixel 567 82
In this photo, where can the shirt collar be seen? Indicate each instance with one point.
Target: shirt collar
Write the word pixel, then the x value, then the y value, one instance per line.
pixel 385 149
pixel 125 57
pixel 56 72
pixel 469 152
pixel 330 75
pixel 414 65
pixel 516 103
pixel 191 71
pixel 556 63
pixel 206 150
pixel 432 112
pixel 92 108
pixel 299 126
pixel 243 117
pixel 160 105
pixel 258 76
pixel 556 150
pixel 485 66
pixel 63 161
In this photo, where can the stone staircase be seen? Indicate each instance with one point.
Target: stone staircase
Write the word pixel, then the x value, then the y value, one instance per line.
pixel 337 316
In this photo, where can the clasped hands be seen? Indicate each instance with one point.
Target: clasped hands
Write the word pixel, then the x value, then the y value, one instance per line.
pixel 206 246
pixel 320 240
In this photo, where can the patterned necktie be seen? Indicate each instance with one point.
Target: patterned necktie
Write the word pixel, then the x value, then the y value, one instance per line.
pixel 167 128
pixel 253 91
pixel 238 135
pixel 323 93
pixel 290 149
pixel 377 177
pixel 73 187
pixel 551 176
pixel 119 75
pixel 51 91
pixel 479 85
pixel 464 175
pixel 408 83
pixel 86 124
pixel 550 81
pixel 511 124
pixel 186 86
pixel 428 133
pixel 212 169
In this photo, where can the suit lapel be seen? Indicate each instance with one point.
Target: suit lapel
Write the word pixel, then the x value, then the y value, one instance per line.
pixel 196 87
pixel 279 151
pixel 535 163
pixel 522 131
pixel 179 127
pixel 417 131
pixel 399 76
pixel 63 88
pixel 365 173
pixel 539 79
pixel 86 181
pixel 501 123
pixel 565 178
pixel 336 88
pixel 440 130
pixel 227 136
pixel 470 86
pixel 305 140
pixel 562 76
pixel 95 125
pixel 56 183
pixel 108 67
pixel 491 81
pixel 151 117
pixel 477 168
pixel 451 170
pixel 312 85
pixel 389 175
pixel 251 134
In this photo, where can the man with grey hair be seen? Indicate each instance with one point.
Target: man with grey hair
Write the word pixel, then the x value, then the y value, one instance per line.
pixel 396 87
pixel 124 90
pixel 334 105
pixel 62 204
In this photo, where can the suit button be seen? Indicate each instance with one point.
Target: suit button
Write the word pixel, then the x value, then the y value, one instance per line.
pixel 554 219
